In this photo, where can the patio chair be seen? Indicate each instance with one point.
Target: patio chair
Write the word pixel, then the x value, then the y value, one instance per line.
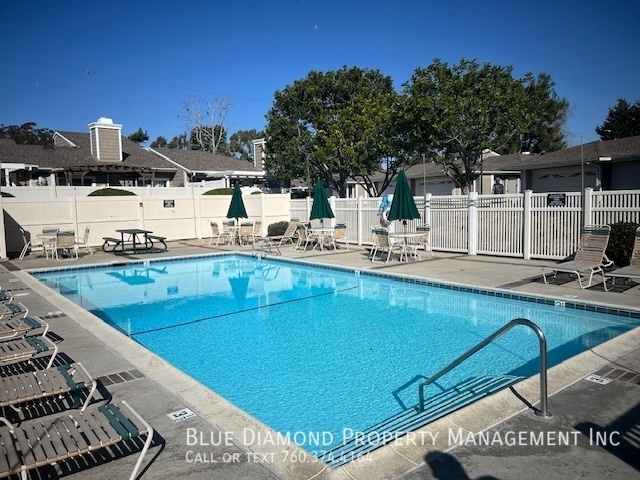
pixel 246 232
pixel 52 440
pixel 84 241
pixel 631 271
pixel 219 234
pixel 31 242
pixel 14 328
pixel 26 349
pixel 339 235
pixel 590 258
pixel 304 237
pixel 423 240
pixel 384 243
pixel 72 379
pixel 66 243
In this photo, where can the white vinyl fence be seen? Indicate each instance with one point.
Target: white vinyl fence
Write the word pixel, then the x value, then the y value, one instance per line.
pixel 529 225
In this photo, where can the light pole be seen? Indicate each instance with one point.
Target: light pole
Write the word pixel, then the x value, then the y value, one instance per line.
pixel 582 182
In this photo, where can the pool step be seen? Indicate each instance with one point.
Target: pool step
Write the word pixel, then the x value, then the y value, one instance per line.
pixel 411 419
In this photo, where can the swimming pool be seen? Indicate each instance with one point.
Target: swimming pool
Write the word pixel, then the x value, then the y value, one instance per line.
pixel 311 350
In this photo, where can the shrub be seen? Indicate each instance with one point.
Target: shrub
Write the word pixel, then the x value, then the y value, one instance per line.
pixel 111 192
pixel 6 194
pixel 620 243
pixel 277 229
pixel 219 191
pixel 256 193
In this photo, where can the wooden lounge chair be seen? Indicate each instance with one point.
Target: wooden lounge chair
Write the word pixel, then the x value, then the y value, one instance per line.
pixel 50 441
pixel 590 258
pixel 10 310
pixel 19 327
pixel 26 349
pixel 38 384
pixel 631 271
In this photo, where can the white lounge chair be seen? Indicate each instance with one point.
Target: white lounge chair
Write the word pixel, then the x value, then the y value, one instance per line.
pixel 590 258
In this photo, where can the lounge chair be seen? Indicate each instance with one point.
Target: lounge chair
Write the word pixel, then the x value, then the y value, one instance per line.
pixel 39 384
pixel 70 435
pixel 26 349
pixel 304 237
pixel 339 235
pixel 11 309
pixel 630 271
pixel 290 235
pixel 14 328
pixel 590 258
pixel 5 297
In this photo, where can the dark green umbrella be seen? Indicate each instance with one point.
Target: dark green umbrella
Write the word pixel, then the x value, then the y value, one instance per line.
pixel 403 207
pixel 320 208
pixel 236 209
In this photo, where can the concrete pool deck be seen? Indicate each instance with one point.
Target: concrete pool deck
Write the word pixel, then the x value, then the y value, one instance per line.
pixel 580 408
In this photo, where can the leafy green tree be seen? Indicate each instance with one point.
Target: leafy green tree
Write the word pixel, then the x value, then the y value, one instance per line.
pixel 27 134
pixel 240 145
pixel 548 133
pixel 159 142
pixel 328 126
pixel 139 136
pixel 458 111
pixel 622 121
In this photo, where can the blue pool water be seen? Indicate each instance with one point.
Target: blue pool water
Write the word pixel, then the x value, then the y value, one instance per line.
pixel 307 349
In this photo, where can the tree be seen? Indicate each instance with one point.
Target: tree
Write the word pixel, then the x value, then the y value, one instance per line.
pixel 622 121
pixel 240 145
pixel 458 111
pixel 548 133
pixel 159 142
pixel 204 122
pixel 179 142
pixel 27 134
pixel 328 126
pixel 139 136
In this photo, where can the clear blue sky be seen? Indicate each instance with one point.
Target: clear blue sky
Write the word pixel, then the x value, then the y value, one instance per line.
pixel 65 64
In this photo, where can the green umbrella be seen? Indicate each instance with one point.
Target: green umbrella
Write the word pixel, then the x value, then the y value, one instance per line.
pixel 320 208
pixel 403 207
pixel 236 209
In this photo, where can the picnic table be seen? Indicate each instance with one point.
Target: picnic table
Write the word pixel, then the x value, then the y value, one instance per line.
pixel 136 241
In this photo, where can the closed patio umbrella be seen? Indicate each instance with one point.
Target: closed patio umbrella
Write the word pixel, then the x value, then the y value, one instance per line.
pixel 236 209
pixel 320 208
pixel 403 207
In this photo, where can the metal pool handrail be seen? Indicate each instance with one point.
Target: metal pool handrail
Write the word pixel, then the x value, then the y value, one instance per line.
pixel 513 323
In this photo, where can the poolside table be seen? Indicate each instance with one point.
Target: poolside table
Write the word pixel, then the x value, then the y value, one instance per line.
pixel 404 239
pixel 322 234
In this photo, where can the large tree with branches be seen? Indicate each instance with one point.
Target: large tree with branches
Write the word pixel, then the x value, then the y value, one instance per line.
pixel 458 111
pixel 332 126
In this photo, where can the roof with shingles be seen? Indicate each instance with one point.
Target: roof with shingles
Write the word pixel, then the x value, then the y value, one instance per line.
pixel 619 150
pixel 199 161
pixel 61 157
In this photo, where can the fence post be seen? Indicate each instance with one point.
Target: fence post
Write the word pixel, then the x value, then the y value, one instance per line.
pixel 332 204
pixel 359 219
pixel 263 216
pixel 52 183
pixel 308 209
pixel 588 207
pixel 472 223
pixel 74 214
pixel 427 209
pixel 526 225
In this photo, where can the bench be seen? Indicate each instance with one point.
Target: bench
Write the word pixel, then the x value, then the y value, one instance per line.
pixel 158 238
pixel 110 242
